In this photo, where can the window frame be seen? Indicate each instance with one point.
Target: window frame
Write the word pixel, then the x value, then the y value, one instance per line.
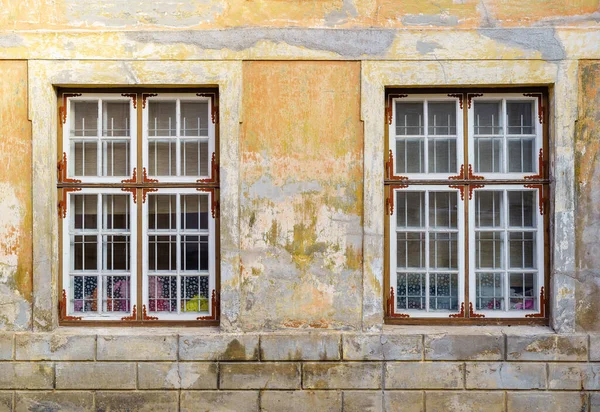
pixel 138 184
pixel 468 182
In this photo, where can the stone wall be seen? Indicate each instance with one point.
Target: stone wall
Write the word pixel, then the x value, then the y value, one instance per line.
pixel 516 370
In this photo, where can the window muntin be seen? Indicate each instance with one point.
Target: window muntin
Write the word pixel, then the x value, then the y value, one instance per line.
pixel 502 186
pixel 112 212
pixel 426 136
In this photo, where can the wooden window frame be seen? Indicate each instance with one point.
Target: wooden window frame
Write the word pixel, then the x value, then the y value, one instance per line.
pixel 467 182
pixel 139 184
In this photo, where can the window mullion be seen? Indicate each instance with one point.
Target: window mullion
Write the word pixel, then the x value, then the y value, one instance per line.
pixel 506 257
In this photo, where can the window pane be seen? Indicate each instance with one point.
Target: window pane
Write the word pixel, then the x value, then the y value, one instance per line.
pixel 410 156
pixel 117 297
pixel 86 212
pixel 443 291
pixel 409 119
pixel 116 212
pixel 162 253
pixel 195 158
pixel 489 247
pixel 85 157
pixel 162 158
pixel 443 250
pixel 115 119
pixel 442 155
pixel 116 158
pixel 410 250
pixel 523 293
pixel 85 253
pixel 410 209
pixel 442 210
pixel 411 291
pixel 85 293
pixel 194 212
pixel 162 118
pixel 194 294
pixel 84 119
pixel 488 117
pixel 521 208
pixel 117 252
pixel 522 250
pixel 488 208
pixel 521 155
pixel 442 118
pixel 488 155
pixel 520 117
pixel 162 212
pixel 162 293
pixel 490 291
pixel 194 118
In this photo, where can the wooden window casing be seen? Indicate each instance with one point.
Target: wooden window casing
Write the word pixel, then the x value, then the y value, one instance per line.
pixel 185 169
pixel 511 167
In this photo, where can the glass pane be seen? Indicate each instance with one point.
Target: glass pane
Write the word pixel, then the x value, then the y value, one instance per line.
pixel 443 250
pixel 85 157
pixel 410 291
pixel 85 293
pixel 443 209
pixel 162 293
pixel 410 209
pixel 86 212
pixel 85 253
pixel 116 158
pixel 522 250
pixel 443 291
pixel 162 212
pixel 521 155
pixel 116 212
pixel 162 158
pixel 488 117
pixel 522 208
pixel 115 119
pixel 409 119
pixel 410 156
pixel 488 208
pixel 194 212
pixel 489 248
pixel 410 250
pixel 162 118
pixel 194 118
pixel 195 158
pixel 442 155
pixel 189 253
pixel 116 252
pixel 523 291
pixel 520 117
pixel 442 118
pixel 117 296
pixel 162 253
pixel 84 118
pixel 488 155
pixel 490 291
pixel 194 294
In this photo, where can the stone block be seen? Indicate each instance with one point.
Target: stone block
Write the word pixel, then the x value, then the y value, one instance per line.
pixel 348 375
pixel 595 348
pixel 301 401
pixel 95 375
pixel 547 348
pixel 142 401
pixel 424 375
pixel 6 401
pixel 26 375
pixel 574 376
pixel 219 401
pixel 311 346
pixel 130 348
pixel 594 402
pixel 173 375
pixel 6 346
pixel 508 375
pixel 54 401
pixel 382 347
pixel 218 347
pixel 404 401
pixel 285 375
pixel 54 346
pixel 451 401
pixel 546 401
pixel 363 401
pixel 464 347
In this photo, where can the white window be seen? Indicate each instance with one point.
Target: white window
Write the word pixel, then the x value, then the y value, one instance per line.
pixel 138 199
pixel 465 187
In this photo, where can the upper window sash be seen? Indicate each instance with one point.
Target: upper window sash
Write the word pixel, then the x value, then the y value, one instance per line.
pixel 179 136
pixel 426 136
pixel 506 251
pixel 426 246
pixel 505 135
pixel 99 137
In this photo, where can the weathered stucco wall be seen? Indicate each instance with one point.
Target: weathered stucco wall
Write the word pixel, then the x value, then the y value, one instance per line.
pixel 301 202
pixel 15 199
